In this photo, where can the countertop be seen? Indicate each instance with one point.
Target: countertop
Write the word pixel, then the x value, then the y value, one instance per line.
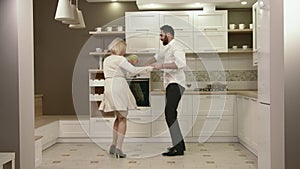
pixel 247 93
pixel 46 119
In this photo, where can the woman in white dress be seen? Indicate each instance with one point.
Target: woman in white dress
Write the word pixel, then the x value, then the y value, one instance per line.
pixel 117 95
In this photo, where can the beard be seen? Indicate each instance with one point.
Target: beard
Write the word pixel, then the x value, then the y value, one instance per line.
pixel 165 41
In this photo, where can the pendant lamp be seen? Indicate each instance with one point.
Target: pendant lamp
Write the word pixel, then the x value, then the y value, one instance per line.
pixel 75 13
pixel 64 11
pixel 81 24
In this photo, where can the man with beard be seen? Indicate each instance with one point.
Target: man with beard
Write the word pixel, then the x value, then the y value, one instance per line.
pixel 171 61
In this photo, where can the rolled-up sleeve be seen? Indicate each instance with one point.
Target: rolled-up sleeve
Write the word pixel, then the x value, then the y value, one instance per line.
pixel 180 58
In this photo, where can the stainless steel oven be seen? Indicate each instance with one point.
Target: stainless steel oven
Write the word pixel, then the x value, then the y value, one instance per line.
pixel 140 87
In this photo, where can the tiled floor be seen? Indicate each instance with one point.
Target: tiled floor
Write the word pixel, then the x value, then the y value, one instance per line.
pixel 147 156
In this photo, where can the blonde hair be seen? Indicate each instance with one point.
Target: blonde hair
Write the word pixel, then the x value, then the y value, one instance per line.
pixel 117 46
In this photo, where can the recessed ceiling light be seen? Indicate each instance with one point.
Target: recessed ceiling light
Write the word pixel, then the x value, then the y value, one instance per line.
pixel 244 2
pixel 197 4
pixel 114 0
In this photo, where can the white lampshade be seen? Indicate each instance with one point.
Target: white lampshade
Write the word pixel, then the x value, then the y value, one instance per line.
pixel 81 21
pixel 76 19
pixel 64 11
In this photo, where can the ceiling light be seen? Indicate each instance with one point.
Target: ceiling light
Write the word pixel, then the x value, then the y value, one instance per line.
pixel 64 11
pixel 244 2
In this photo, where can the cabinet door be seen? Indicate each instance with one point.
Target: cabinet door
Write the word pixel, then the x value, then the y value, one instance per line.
pixel 213 105
pixel 142 32
pixel 138 127
pixel 213 21
pixel 182 23
pixel 160 128
pixel 142 21
pixel 213 126
pixel 185 106
pixel 207 42
pixel 142 42
pixel 69 128
pixel 179 20
pixel 101 127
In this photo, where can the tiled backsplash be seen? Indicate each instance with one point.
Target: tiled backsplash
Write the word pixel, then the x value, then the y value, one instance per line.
pixel 204 76
pixel 236 70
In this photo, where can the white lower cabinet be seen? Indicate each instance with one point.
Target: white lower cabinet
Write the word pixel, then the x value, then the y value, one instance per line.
pixel 138 126
pixel 73 128
pixel 101 127
pixel 247 109
pixel 49 134
pixel 213 126
pixel 160 128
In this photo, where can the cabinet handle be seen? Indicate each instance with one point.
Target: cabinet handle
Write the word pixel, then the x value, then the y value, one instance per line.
pixel 246 98
pixel 253 100
pixel 210 29
pixel 134 118
pixel 102 120
pixel 142 29
pixel 210 117
pixel 210 49
pixel 215 96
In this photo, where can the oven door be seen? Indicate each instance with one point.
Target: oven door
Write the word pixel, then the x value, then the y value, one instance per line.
pixel 140 88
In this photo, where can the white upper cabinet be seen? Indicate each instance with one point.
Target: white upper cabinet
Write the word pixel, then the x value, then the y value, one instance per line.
pixel 142 21
pixel 208 42
pixel 212 21
pixel 210 32
pixel 179 20
pixel 197 31
pixel 142 32
pixel 182 22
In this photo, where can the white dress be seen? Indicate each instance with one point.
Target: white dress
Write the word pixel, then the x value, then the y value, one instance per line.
pixel 117 94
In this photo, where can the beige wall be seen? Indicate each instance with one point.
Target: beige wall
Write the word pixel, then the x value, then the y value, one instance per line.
pixel 16 73
pixel 57 48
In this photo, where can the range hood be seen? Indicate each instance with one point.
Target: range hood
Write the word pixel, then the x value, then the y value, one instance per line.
pixel 180 4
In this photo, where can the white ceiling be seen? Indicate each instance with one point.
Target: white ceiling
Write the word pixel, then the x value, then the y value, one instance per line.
pixel 187 4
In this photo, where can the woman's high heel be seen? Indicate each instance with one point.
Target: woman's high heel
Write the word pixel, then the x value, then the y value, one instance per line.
pixel 112 149
pixel 119 153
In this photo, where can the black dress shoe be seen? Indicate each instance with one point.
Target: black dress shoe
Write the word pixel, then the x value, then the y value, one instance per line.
pixel 173 152
pixel 172 148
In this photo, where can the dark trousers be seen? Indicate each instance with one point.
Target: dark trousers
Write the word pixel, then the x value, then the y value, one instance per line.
pixel 173 96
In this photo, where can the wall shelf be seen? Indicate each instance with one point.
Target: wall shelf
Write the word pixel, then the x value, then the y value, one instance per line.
pixel 240 30
pixel 107 33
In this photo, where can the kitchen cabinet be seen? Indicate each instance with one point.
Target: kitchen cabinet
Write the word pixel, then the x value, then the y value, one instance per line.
pixel 159 125
pixel 210 32
pixel 71 128
pixel 264 137
pixel 142 32
pixel 101 127
pixel 248 122
pixel 214 115
pixel 49 134
pixel 210 21
pixel 182 23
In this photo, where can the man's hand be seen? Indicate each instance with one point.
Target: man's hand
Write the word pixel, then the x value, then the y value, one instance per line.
pixel 157 66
